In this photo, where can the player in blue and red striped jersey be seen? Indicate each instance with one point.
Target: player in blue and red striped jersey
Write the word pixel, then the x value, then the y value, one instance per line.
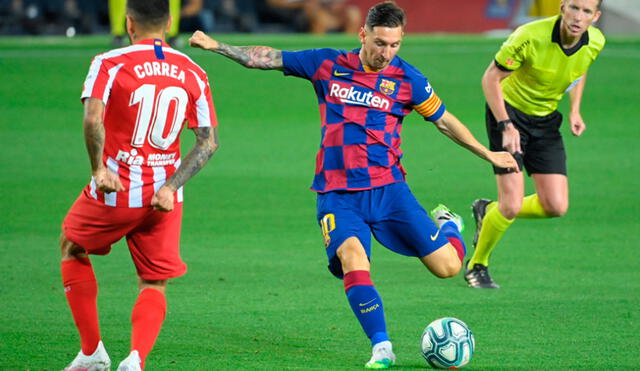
pixel 136 102
pixel 363 97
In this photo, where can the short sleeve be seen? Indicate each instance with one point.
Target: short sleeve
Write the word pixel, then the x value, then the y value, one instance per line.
pixel 98 80
pixel 425 100
pixel 302 63
pixel 202 113
pixel 514 50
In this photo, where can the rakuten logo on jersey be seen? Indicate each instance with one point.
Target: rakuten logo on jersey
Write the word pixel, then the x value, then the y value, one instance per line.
pixel 352 96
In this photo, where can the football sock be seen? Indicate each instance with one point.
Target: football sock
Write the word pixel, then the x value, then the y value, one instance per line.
pixel 451 232
pixel 117 16
pixel 532 208
pixel 366 305
pixel 174 11
pixel 81 290
pixel 494 225
pixel 147 317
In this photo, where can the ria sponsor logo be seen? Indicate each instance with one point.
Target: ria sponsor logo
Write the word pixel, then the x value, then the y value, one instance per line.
pixel 154 159
pixel 352 96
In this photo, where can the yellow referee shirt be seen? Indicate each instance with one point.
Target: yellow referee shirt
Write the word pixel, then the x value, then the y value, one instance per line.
pixel 542 70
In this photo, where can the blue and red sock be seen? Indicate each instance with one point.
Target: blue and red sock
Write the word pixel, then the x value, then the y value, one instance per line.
pixel 366 305
pixel 451 232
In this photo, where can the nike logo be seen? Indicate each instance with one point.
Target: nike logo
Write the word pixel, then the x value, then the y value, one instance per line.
pixel 367 303
pixel 336 73
pixel 433 238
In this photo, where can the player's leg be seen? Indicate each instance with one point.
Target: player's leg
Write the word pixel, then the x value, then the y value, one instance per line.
pixel 551 199
pixel 117 16
pixel 81 290
pixel 403 226
pixel 155 249
pixel 84 232
pixel 348 246
pixel 147 317
pixel 498 217
pixel 365 301
pixel 174 29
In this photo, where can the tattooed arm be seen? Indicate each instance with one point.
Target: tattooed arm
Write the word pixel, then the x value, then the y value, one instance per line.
pixel 206 145
pixel 262 57
pixel 93 126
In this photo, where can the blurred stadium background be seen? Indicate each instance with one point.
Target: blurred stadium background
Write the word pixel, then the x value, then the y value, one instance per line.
pixel 74 17
pixel 257 295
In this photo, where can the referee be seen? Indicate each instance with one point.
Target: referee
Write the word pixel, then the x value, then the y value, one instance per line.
pixel 538 63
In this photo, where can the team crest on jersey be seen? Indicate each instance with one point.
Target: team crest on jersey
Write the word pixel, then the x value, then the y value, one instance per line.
pixel 388 87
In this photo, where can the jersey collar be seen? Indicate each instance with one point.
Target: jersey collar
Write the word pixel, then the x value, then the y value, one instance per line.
pixel 555 37
pixel 152 42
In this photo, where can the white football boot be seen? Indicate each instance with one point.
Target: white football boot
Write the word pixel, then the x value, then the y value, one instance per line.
pixel 381 356
pixel 98 361
pixel 131 363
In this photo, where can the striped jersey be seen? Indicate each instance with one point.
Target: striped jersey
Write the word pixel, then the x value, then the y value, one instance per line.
pixel 361 116
pixel 149 91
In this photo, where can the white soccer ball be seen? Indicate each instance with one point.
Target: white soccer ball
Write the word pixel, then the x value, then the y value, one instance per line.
pixel 447 343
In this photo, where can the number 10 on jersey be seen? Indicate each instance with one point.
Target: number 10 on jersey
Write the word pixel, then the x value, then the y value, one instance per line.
pixel 153 115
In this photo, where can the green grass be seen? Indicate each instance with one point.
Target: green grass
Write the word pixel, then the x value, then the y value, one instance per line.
pixel 257 294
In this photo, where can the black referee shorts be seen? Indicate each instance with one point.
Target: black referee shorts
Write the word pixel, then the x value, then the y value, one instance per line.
pixel 540 140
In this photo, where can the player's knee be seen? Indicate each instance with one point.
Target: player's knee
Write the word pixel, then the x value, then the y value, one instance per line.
pixel 69 250
pixel 510 209
pixel 159 285
pixel 557 209
pixel 448 269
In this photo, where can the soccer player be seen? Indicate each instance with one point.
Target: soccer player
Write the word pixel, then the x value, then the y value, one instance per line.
pixel 533 69
pixel 136 100
pixel 363 96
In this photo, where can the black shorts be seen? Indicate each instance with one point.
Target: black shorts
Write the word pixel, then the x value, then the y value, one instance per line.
pixel 540 140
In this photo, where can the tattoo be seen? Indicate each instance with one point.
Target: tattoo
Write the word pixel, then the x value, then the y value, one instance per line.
pixel 262 57
pixel 94 140
pixel 195 160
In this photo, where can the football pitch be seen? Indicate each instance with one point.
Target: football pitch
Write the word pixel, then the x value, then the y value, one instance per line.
pixel 257 294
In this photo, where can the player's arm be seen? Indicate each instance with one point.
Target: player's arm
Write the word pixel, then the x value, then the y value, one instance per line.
pixel 450 126
pixel 261 57
pixel 493 94
pixel 205 146
pixel 93 126
pixel 575 96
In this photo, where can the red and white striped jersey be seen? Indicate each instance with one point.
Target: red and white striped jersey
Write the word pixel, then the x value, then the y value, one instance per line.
pixel 149 91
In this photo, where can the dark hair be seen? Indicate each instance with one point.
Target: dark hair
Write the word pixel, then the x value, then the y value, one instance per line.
pixel 385 14
pixel 149 13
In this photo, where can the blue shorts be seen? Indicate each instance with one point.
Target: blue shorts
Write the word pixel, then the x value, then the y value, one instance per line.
pixel 391 213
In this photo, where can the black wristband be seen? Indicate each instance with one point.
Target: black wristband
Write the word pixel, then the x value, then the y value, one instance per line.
pixel 502 125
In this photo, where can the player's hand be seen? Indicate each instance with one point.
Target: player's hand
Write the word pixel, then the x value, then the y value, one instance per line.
pixel 504 160
pixel 511 139
pixel 200 40
pixel 163 199
pixel 577 124
pixel 107 181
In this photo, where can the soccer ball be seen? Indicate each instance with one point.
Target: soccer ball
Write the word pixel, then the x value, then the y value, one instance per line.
pixel 447 343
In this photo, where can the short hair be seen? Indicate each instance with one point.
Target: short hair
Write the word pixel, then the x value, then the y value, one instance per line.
pixel 149 13
pixel 598 7
pixel 385 14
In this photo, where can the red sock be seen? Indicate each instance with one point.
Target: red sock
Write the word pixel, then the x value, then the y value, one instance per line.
pixel 460 249
pixel 81 289
pixel 147 317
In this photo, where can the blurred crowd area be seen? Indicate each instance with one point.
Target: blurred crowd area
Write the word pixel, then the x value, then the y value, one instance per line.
pixel 77 17
pixel 72 17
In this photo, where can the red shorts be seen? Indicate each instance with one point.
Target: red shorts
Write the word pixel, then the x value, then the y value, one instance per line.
pixel 153 236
